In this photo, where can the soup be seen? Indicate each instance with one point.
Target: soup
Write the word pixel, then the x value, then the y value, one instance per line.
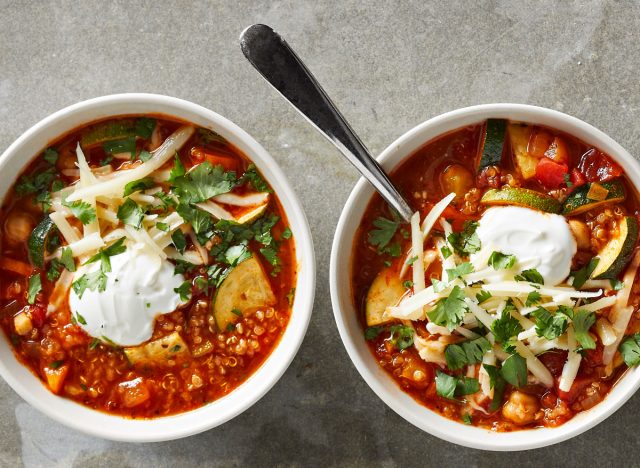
pixel 509 302
pixel 146 266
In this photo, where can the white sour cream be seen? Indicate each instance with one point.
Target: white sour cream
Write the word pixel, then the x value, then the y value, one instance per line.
pixel 140 286
pixel 538 240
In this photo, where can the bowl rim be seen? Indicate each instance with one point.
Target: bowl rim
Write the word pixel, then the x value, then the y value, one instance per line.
pixel 377 379
pixel 114 427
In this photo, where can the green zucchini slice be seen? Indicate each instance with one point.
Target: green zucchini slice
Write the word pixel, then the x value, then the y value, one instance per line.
pixel 493 143
pixel 615 255
pixel 246 289
pixel 107 131
pixel 521 197
pixel 158 352
pixel 37 242
pixel 579 202
pixel 386 290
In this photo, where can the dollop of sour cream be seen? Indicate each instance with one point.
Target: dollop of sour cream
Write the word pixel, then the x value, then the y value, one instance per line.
pixel 140 286
pixel 538 240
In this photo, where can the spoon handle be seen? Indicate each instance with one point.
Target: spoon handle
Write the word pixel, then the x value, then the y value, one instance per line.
pixel 283 69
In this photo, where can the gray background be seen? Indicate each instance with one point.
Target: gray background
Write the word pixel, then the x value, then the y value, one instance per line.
pixel 388 66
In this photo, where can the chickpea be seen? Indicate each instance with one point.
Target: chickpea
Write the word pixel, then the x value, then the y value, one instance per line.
pixel 18 227
pixel 521 408
pixel 457 179
pixel 581 233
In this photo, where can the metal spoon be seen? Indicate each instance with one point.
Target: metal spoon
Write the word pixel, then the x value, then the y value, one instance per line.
pixel 284 70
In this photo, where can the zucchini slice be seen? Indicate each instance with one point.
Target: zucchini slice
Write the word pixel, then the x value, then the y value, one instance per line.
pixel 386 290
pixel 493 143
pixel 579 202
pixel 158 351
pixel 521 197
pixel 37 242
pixel 246 289
pixel 519 135
pixel 615 255
pixel 107 131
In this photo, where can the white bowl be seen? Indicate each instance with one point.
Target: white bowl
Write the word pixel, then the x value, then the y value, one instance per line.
pixel 100 424
pixel 346 315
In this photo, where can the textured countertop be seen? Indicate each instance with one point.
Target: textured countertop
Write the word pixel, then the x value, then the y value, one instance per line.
pixel 388 66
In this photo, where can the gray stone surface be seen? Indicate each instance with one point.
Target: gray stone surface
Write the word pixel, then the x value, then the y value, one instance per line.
pixel 389 66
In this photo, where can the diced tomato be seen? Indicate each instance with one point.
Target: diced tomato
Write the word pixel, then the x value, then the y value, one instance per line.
pixel 554 361
pixel 598 167
pixel 37 313
pixel 199 155
pixel 539 143
pixel 550 173
pixel 577 178
pixel 558 151
pixel 134 392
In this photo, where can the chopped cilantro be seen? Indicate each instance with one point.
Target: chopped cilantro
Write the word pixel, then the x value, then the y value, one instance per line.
pixel 290 296
pixel 582 322
pixel 401 336
pixel 92 281
pixel 50 155
pixel 126 145
pixel 238 312
pixel 203 182
pixel 179 241
pixel 164 227
pixel 35 182
pixel 466 418
pixel 35 286
pixel 144 156
pixel 446 252
pixel 506 326
pixel 412 260
pixel 514 370
pixel 449 386
pixel 497 383
pixel 80 318
pixel 408 284
pixel 178 168
pixel 94 344
pixel 144 127
pixel 459 271
pixel 630 350
pixel 466 353
pixel 500 261
pixel 449 311
pixel 550 326
pixel 286 234
pixel 56 364
pixel 466 241
pixel 184 291
pixel 130 213
pixel 255 179
pixel 583 274
pixel 438 286
pixel 483 296
pixel 533 298
pixel 384 232
pixel 81 210
pixel 532 276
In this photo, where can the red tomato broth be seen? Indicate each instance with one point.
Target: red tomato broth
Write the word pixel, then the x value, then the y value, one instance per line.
pixel 100 376
pixel 419 180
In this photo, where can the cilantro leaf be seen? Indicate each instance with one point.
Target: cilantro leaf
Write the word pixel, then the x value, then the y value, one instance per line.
pixel 384 232
pixel 83 211
pixel 177 170
pixel 200 220
pixel 582 322
pixel 184 291
pixel 371 333
pixel 137 185
pixel 506 326
pixel 401 336
pixel 466 241
pixel 35 286
pixel 286 234
pixel 35 182
pixel 144 127
pixel 449 386
pixel 630 350
pixel 103 255
pixel 583 274
pixel 446 252
pixel 483 296
pixel 130 213
pixel 449 311
pixel 179 241
pixel 548 325
pixel 95 280
pixel 237 254
pixel 438 286
pixel 252 176
pixel 203 182
pixel 514 370
pixel 497 382
pixel 533 298
pixel 466 353
pixel 532 276
pixel 164 227
pixel 65 261
pixel 50 155
pixel 500 261
pixel 459 271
